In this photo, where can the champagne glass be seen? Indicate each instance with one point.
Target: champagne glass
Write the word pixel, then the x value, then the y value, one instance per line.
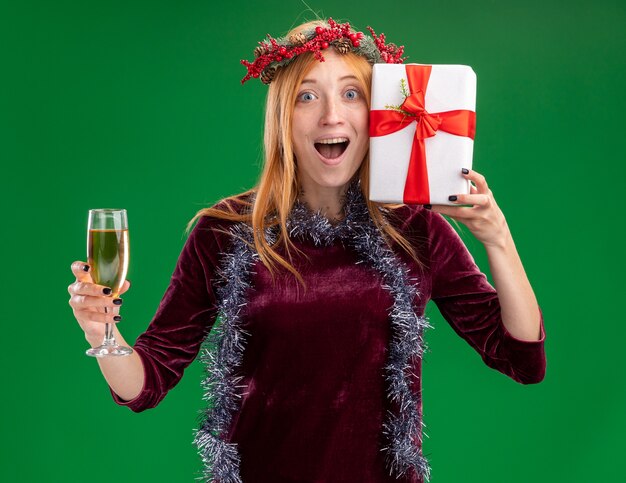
pixel 107 254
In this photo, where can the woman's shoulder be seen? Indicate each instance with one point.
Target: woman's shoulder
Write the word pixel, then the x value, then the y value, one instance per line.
pixel 218 219
pixel 421 226
pixel 408 219
pixel 240 204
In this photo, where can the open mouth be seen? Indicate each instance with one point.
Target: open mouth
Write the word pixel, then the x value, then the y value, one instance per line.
pixel 332 148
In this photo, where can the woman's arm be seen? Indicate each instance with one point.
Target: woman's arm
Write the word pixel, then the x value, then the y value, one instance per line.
pixel 92 309
pixel 520 311
pixel 124 375
pixel 172 340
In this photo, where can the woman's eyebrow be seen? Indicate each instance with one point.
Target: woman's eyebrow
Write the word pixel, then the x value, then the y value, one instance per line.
pixel 345 77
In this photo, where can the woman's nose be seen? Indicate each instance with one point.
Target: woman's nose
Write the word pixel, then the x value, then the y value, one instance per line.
pixel 331 113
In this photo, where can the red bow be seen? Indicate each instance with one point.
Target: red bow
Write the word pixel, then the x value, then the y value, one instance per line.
pixel 384 122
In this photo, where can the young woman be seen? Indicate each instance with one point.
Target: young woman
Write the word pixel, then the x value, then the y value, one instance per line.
pixel 314 371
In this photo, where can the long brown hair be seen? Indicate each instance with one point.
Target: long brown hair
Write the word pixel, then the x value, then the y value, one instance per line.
pixel 278 185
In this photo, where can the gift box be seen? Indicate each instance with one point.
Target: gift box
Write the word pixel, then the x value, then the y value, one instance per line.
pixel 422 126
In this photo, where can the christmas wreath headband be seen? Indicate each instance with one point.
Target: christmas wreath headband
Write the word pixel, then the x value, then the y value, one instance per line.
pixel 272 53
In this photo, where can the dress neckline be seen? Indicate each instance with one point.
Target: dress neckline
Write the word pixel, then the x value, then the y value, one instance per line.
pixel 303 222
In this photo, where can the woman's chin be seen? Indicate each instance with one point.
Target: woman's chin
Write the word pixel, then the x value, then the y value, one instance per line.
pixel 336 181
pixel 317 174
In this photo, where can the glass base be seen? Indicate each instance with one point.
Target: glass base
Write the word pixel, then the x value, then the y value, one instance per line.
pixel 112 350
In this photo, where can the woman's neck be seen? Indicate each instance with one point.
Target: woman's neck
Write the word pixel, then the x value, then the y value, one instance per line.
pixel 328 201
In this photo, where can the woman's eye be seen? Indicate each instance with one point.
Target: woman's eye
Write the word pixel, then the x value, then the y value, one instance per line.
pixel 352 94
pixel 306 96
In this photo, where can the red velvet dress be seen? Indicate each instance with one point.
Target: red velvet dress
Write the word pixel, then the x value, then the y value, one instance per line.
pixel 315 396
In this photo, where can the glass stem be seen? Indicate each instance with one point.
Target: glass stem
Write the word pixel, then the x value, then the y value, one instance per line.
pixel 108 335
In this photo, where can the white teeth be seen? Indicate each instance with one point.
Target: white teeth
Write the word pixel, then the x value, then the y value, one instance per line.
pixel 333 141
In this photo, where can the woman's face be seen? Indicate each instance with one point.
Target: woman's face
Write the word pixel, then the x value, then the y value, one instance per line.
pixel 330 124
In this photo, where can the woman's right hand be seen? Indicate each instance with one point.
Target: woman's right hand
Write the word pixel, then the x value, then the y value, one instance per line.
pixel 92 304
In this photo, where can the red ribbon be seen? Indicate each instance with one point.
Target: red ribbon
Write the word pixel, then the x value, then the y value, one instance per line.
pixel 384 122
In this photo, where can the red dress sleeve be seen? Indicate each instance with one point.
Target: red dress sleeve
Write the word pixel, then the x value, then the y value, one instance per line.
pixel 185 315
pixel 470 304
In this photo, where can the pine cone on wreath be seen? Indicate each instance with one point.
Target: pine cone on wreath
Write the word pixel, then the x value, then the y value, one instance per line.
pixel 268 74
pixel 259 50
pixel 297 39
pixel 342 46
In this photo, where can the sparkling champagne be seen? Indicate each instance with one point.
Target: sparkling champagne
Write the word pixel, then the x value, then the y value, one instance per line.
pixel 107 252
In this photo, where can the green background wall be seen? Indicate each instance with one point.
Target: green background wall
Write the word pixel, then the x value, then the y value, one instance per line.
pixel 137 104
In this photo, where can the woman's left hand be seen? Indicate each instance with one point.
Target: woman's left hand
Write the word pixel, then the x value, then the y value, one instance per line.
pixel 484 219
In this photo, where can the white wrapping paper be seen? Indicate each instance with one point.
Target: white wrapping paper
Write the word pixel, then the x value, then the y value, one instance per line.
pixel 450 87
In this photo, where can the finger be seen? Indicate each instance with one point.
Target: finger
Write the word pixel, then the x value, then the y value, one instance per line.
pixel 89 316
pixel 82 302
pixel 81 271
pixel 478 179
pixel 125 287
pixel 103 310
pixel 456 212
pixel 475 199
pixel 88 288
